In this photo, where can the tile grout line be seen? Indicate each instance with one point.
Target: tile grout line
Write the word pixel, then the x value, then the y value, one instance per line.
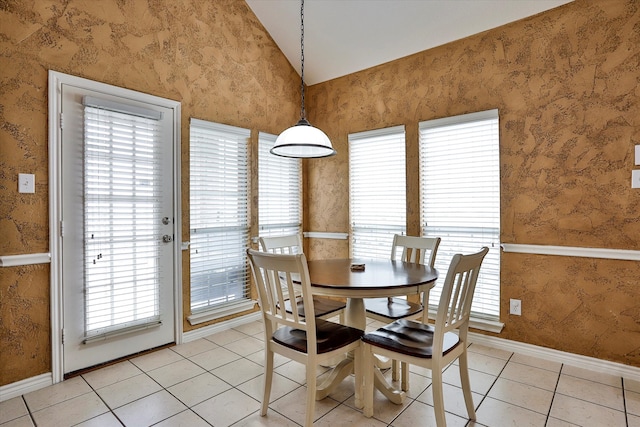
pixel 29 412
pixel 624 410
pixel 188 408
pixel 250 379
pixel 485 395
pixel 624 402
pixel 95 391
pixel 553 397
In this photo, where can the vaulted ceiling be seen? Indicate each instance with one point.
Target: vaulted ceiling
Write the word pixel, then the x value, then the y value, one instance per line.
pixel 345 36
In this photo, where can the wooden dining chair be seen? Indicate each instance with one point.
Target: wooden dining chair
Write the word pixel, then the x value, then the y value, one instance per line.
pixel 432 346
pixel 414 249
pixel 324 308
pixel 307 340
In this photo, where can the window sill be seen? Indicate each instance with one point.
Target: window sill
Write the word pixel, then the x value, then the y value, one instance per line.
pixel 486 325
pixel 218 313
pixel 479 323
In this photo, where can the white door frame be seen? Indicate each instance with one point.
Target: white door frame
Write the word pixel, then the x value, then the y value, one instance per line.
pixel 56 80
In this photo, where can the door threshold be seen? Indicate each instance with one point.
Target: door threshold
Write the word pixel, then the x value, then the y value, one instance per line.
pixel 113 362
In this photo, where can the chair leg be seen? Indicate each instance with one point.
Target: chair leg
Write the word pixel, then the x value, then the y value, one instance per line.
pixel 438 401
pixel 368 366
pixel 311 395
pixel 395 370
pixel 463 363
pixel 268 378
pixel 405 376
pixel 358 370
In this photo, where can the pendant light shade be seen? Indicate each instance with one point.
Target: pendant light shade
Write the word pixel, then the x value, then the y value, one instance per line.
pixel 302 140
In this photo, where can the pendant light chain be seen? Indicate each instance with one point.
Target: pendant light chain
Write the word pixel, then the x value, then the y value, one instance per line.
pixel 302 111
pixel 302 141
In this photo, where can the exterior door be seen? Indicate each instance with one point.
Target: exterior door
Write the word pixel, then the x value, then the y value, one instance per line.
pixel 117 226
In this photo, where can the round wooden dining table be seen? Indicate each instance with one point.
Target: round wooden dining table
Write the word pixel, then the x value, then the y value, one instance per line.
pixel 378 278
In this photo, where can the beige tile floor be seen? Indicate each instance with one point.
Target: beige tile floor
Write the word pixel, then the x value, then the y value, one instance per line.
pixel 217 381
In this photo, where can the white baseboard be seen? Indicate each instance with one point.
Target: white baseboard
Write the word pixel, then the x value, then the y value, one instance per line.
pixel 585 362
pixel 28 385
pixel 591 363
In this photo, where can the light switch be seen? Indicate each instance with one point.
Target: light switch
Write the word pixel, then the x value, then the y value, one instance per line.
pixel 26 183
pixel 638 155
pixel 635 178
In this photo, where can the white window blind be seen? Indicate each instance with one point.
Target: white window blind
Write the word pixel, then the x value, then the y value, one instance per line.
pixel 460 198
pixel 280 185
pixel 218 215
pixel 377 190
pixel 121 202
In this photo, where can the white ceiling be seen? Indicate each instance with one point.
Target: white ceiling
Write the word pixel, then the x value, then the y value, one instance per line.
pixel 345 36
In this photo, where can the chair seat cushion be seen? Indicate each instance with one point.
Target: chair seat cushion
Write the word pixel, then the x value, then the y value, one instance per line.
pixel 409 337
pixel 321 306
pixel 392 308
pixel 330 336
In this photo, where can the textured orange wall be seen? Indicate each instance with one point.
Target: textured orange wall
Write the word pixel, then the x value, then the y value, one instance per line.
pixel 212 56
pixel 25 342
pixel 567 86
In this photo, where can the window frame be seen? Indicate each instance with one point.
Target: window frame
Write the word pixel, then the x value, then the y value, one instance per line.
pixel 229 231
pixel 462 160
pixel 370 237
pixel 276 189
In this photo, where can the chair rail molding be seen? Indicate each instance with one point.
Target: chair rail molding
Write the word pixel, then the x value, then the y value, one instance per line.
pixel 325 235
pixel 572 251
pixel 24 259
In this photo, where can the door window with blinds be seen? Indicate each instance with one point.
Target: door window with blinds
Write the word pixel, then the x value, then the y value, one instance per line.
pixel 122 189
pixel 219 220
pixel 460 198
pixel 377 190
pixel 279 197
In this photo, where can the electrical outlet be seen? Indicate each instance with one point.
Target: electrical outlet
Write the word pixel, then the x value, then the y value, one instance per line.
pixel 515 307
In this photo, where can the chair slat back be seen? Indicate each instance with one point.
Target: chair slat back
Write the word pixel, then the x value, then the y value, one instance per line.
pixel 286 245
pixel 291 244
pixel 274 275
pixel 457 293
pixel 415 249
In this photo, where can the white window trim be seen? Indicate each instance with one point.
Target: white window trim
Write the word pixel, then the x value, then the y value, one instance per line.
pixel 208 313
pixel 489 321
pixel 377 138
pixel 289 168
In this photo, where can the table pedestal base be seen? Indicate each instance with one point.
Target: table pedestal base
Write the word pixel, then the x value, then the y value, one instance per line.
pixel 339 373
pixel 344 369
pixel 394 395
pixel 355 317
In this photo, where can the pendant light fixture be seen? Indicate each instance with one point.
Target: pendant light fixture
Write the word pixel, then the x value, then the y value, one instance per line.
pixel 302 140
